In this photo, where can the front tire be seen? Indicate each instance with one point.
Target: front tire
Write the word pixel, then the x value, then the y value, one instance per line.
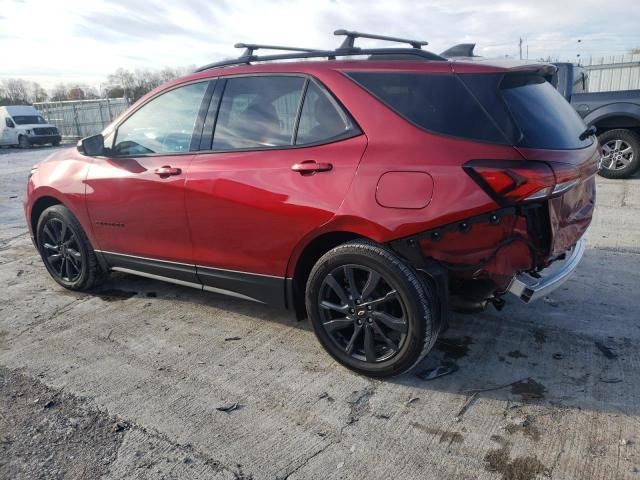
pixel 370 311
pixel 23 142
pixel 66 251
pixel 620 153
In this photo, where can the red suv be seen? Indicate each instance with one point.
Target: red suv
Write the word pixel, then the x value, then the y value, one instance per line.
pixel 372 194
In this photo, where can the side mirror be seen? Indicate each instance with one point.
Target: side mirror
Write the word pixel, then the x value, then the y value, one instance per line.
pixel 92 146
pixel 9 123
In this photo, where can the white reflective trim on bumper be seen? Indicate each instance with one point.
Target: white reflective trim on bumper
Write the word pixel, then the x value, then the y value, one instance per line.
pixel 528 288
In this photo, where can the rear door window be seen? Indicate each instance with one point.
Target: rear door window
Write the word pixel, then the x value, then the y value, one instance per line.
pixel 258 112
pixel 437 103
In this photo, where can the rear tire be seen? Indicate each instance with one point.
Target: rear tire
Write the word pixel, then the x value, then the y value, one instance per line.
pixel 370 311
pixel 620 153
pixel 66 251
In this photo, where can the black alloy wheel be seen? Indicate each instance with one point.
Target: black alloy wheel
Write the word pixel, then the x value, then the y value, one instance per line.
pixel 61 250
pixel 362 313
pixel 66 250
pixel 371 311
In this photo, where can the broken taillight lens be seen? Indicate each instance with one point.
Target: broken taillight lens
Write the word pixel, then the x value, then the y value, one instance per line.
pixel 515 181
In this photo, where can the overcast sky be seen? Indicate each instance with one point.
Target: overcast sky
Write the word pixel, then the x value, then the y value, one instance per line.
pixel 84 40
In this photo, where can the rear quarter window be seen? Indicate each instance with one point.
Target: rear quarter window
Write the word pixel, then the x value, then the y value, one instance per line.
pixel 437 103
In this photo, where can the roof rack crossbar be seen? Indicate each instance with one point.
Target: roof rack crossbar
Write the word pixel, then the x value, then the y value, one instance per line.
pixel 331 54
pixel 251 47
pixel 351 36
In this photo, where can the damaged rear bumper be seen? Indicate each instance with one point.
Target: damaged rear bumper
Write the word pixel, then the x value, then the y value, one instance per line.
pixel 528 288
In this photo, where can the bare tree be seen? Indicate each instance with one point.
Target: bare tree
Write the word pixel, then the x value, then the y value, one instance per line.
pixel 91 93
pixel 60 93
pixel 121 83
pixel 39 94
pixel 16 91
pixel 134 85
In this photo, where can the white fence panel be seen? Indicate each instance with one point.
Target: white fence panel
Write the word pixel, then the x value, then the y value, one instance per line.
pixel 620 72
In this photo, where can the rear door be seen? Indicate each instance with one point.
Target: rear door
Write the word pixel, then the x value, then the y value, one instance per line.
pixel 277 166
pixel 135 196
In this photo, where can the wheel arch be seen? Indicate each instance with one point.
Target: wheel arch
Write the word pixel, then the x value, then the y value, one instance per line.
pixel 304 260
pixel 39 206
pixel 617 115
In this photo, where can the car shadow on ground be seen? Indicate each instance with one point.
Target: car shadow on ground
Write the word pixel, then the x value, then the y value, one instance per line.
pixel 576 349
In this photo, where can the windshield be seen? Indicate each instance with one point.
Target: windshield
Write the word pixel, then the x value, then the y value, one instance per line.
pixel 28 119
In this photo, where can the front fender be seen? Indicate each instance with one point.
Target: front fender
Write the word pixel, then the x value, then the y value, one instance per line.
pixel 61 178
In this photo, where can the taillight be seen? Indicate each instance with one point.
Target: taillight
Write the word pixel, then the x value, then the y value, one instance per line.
pixel 515 181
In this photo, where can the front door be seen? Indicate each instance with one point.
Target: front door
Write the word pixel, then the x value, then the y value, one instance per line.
pixel 279 168
pixel 135 195
pixel 8 135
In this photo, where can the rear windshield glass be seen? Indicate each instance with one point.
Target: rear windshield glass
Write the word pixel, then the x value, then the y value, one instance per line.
pixel 438 103
pixel 543 116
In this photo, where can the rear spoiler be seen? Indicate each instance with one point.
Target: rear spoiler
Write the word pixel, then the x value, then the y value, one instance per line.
pixel 465 51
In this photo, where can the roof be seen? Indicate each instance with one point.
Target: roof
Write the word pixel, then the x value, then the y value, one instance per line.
pixel 316 66
pixel 21 110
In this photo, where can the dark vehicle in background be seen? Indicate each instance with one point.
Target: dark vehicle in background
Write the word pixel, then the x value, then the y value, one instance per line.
pixel 616 115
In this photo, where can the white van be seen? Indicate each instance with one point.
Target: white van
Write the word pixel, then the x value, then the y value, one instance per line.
pixel 23 125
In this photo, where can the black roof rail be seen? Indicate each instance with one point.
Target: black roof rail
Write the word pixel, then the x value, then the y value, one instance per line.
pixel 347 49
pixel 351 36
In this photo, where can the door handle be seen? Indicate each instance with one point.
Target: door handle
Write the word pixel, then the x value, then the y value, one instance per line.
pixel 167 171
pixel 309 167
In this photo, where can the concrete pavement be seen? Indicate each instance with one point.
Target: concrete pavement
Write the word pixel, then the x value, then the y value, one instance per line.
pixel 153 361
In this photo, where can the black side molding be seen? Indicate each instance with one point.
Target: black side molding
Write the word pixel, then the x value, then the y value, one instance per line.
pixel 262 288
pixel 257 287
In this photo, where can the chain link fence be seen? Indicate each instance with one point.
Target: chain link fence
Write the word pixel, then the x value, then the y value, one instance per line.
pixel 81 118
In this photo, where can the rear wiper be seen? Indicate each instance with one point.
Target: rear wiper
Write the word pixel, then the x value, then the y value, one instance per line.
pixel 588 132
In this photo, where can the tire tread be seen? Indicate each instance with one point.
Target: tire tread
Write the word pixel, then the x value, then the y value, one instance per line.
pixel 425 297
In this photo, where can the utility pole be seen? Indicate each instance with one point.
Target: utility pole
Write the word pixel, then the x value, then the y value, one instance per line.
pixel 520 46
